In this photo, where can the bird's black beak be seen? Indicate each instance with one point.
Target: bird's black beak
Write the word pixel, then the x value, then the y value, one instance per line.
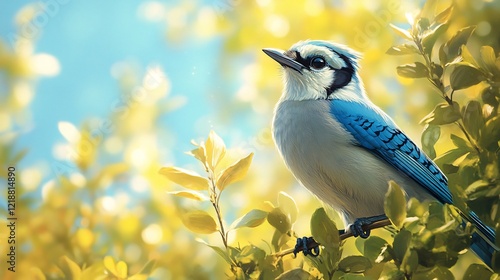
pixel 283 59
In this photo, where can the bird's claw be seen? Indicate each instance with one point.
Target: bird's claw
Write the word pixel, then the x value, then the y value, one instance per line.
pixel 356 228
pixel 306 245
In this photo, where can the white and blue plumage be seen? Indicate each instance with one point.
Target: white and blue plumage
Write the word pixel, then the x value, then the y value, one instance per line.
pixel 345 149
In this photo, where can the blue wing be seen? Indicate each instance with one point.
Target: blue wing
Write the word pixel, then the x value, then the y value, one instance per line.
pixel 377 133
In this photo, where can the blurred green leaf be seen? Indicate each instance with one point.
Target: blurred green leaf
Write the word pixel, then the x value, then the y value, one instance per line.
pixel 402 49
pixel 430 136
pixel 287 204
pixel 436 272
pixel 391 272
pixel 477 271
pixel 295 274
pixel 478 189
pixel 279 220
pixel 354 264
pixel 186 178
pixel 444 16
pixel 443 114
pixel 235 172
pixel 490 134
pixel 465 75
pixel 199 221
pixel 488 59
pixel 70 268
pixel 488 95
pixel 467 56
pixel 473 118
pixel 324 229
pixel 215 149
pixel 410 262
pixel 401 244
pixel 414 70
pixel 395 204
pixel 251 219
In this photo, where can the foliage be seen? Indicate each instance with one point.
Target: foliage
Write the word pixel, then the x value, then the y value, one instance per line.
pixel 101 210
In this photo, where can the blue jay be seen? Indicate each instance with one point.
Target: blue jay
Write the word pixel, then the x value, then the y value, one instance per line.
pixel 345 149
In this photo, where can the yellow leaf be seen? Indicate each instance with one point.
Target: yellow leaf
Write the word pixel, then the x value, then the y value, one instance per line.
pixel 199 221
pixel 185 178
pixel 37 274
pixel 214 149
pixel 72 268
pixel 109 264
pixel 121 269
pixel 234 172
pixel 199 153
pixel 190 194
pixel 138 277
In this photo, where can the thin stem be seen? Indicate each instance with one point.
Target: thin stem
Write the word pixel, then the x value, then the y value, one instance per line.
pixel 214 198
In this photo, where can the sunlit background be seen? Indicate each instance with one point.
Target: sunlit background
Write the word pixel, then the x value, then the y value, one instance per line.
pixel 97 96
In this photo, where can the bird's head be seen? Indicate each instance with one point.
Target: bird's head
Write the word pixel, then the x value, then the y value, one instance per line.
pixel 319 70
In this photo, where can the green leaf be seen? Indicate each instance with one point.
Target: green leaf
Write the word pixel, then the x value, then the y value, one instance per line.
pixel 488 59
pixel 450 156
pixel 477 271
pixel 477 189
pixel 430 136
pixel 402 32
pixel 295 274
pixel 287 204
pixel 251 219
pixel 221 252
pixel 444 16
pixel 460 142
pixel 402 49
pixel 430 37
pixel 215 149
pixel 443 114
pixel 324 229
pixel 473 118
pixel 190 194
pixel 465 75
pixel 401 244
pixel 395 204
pixel 437 272
pixel 373 247
pixel 452 47
pixel 467 56
pixel 488 95
pixel 490 134
pixel 279 220
pixel 185 178
pixel 414 70
pixel 199 221
pixel 234 172
pixel 354 264
pixel 391 272
pixel 410 262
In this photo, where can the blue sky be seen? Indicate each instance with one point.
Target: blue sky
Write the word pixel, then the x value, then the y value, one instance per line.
pixel 88 37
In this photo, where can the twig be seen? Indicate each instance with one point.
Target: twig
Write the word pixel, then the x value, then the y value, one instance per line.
pixel 347 234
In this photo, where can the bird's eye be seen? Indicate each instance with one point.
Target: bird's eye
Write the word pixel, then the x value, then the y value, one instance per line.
pixel 318 63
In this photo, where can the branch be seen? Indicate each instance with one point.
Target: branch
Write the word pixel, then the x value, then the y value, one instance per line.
pixel 343 236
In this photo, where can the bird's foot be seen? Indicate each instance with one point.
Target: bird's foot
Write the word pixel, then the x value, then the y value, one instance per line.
pixel 306 245
pixel 356 228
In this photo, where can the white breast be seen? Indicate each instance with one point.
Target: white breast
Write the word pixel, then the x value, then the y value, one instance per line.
pixel 321 155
